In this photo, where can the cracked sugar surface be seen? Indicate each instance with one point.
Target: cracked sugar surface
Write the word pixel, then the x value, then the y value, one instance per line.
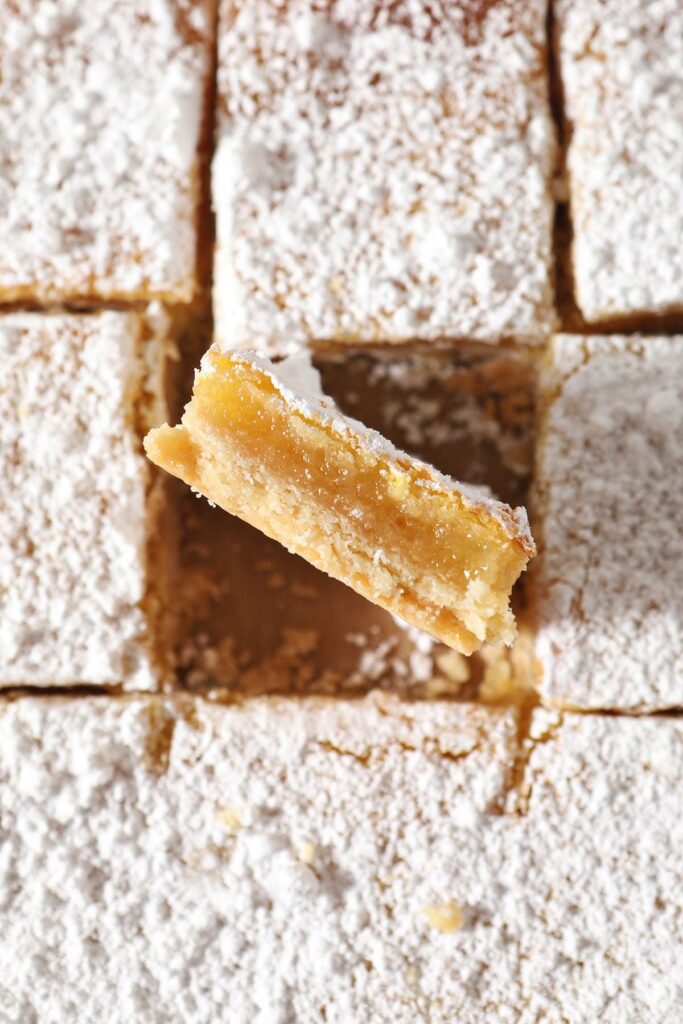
pixel 279 860
pixel 382 173
pixel 620 63
pixel 100 112
pixel 606 589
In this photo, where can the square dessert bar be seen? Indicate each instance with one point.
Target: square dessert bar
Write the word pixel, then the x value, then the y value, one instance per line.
pixel 597 858
pixel 607 588
pixel 101 106
pixel 264 443
pixel 77 501
pixel 620 63
pixel 277 860
pixel 382 173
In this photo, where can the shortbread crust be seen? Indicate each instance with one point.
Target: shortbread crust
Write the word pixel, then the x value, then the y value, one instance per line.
pixel 439 554
pixel 101 106
pixel 607 595
pixel 382 173
pixel 78 502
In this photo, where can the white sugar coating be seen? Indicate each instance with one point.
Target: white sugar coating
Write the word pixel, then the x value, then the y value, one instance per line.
pixel 610 498
pixel 602 897
pixel 343 861
pixel 281 869
pixel 298 382
pixel 73 484
pixel 621 64
pixel 100 116
pixel 382 173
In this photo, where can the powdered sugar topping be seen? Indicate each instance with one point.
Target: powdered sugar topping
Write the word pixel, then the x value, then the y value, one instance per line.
pixel 622 71
pixel 268 863
pixel 290 860
pixel 611 499
pixel 100 112
pixel 382 173
pixel 72 502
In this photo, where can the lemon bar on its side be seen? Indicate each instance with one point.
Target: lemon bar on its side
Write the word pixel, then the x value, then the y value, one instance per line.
pixel 470 416
pixel 257 440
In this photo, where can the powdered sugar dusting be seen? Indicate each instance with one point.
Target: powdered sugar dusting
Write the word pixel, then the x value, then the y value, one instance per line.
pixel 100 111
pixel 72 502
pixel 382 173
pixel 296 860
pixel 261 863
pixel 300 377
pixel 611 499
pixel 622 71
pixel 599 871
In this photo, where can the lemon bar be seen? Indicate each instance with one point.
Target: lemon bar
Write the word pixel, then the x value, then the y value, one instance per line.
pixel 593 887
pixel 260 619
pixel 77 501
pixel 101 105
pixel 197 863
pixel 382 173
pixel 620 63
pixel 607 596
pixel 259 442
